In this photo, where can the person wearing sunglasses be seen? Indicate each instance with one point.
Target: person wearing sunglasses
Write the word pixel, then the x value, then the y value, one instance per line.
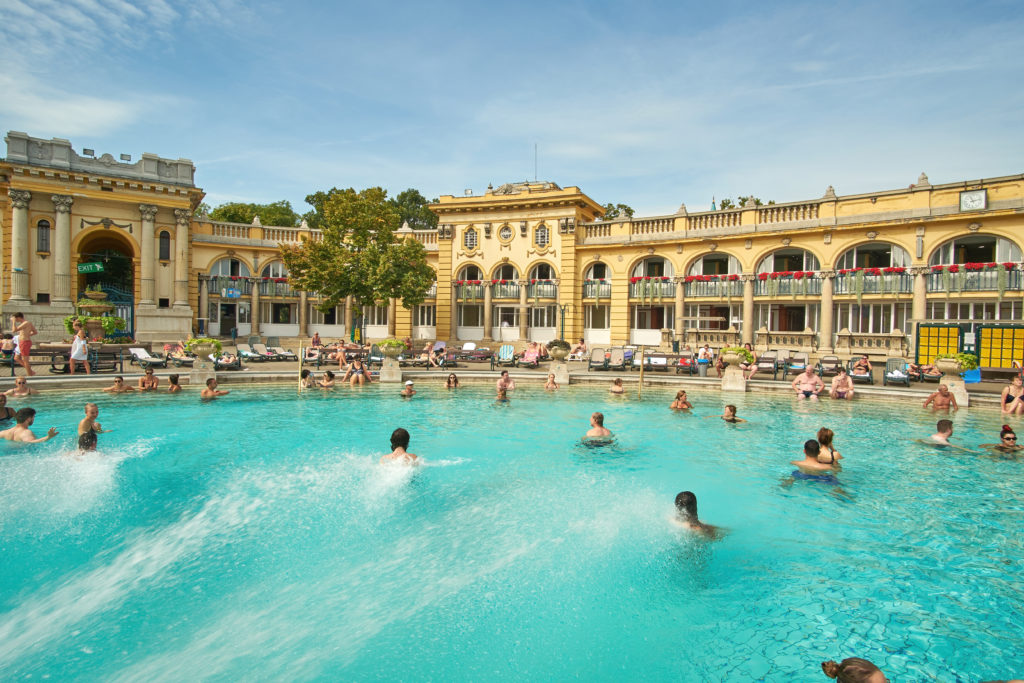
pixel 21 389
pixel 1007 442
pixel 119 387
pixel 149 381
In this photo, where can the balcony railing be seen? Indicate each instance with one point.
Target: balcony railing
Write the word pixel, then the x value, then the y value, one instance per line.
pixel 889 283
pixel 652 289
pixel 216 284
pixel 432 292
pixel 509 290
pixel 271 288
pixel 542 290
pixel 975 281
pixel 597 290
pixel 714 288
pixel 807 286
pixel 466 292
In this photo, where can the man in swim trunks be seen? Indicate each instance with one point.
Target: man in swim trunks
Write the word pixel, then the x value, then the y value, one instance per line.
pixel 25 331
pixel 941 399
pixel 400 442
pixel 842 386
pixel 211 391
pixel 21 432
pixel 808 385
pixel 148 381
pixel 505 382
pixel 597 427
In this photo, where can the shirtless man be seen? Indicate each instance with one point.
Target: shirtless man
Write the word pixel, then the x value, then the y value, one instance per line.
pixel 686 516
pixel 89 423
pixel 842 386
pixel 21 432
pixel 943 430
pixel 149 381
pixel 505 382
pixel 211 391
pixel 408 391
pixel 808 385
pixel 119 387
pixel 21 389
pixel 941 399
pixel 597 427
pixel 25 331
pixel 399 442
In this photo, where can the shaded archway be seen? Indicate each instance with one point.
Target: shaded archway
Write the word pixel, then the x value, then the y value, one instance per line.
pixel 113 270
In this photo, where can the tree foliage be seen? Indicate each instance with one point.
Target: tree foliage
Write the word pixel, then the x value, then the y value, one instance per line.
pixel 277 213
pixel 359 254
pixel 741 201
pixel 202 210
pixel 412 209
pixel 613 211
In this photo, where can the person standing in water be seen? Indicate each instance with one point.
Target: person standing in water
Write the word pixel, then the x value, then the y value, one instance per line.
pixel 597 428
pixel 399 444
pixel 21 431
pixel 686 516
pixel 89 423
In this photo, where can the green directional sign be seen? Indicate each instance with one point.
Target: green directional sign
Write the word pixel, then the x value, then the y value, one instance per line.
pixel 90 267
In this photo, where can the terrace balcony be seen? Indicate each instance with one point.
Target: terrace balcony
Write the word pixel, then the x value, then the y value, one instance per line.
pixel 655 288
pixel 881 283
pixel 218 283
pixel 506 290
pixel 597 290
pixel 715 288
pixel 787 285
pixel 542 290
pixel 967 280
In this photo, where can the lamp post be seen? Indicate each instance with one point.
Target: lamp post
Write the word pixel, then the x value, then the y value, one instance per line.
pixel 563 308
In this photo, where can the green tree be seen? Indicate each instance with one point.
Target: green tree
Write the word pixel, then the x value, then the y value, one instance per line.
pixel 742 201
pixel 277 213
pixel 359 255
pixel 412 208
pixel 613 211
pixel 726 204
pixel 202 209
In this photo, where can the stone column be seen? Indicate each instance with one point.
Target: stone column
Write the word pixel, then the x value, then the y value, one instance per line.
pixel 488 312
pixel 748 308
pixel 453 333
pixel 392 315
pixel 524 312
pixel 348 316
pixel 182 218
pixel 303 313
pixel 827 312
pixel 254 316
pixel 148 259
pixel 62 248
pixel 19 245
pixel 204 306
pixel 919 306
pixel 680 327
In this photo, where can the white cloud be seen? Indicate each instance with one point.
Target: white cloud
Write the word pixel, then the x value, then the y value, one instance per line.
pixel 31 106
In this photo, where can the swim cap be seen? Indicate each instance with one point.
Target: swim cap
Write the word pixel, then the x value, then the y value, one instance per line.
pixel 408 382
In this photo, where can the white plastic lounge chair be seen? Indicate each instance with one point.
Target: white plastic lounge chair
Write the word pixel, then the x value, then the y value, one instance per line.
pixel 145 360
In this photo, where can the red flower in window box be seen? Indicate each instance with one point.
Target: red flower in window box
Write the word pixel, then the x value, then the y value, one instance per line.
pixel 775 276
pixel 458 283
pixel 1009 266
pixel 504 282
pixel 688 279
pixel 992 265
pixel 476 282
pixel 938 269
pixel 734 277
pixel 954 268
pixel 974 267
pixel 762 276
pixel 634 280
pixel 664 278
pixel 798 275
pixel 234 277
pixel 494 282
pixel 894 269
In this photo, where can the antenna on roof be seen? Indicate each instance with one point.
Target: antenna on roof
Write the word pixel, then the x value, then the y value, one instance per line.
pixel 535 162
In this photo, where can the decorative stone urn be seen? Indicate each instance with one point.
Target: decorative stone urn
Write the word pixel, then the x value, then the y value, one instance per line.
pixel 392 351
pixel 731 358
pixel 948 366
pixel 94 328
pixel 558 354
pixel 95 296
pixel 203 350
pixel 95 309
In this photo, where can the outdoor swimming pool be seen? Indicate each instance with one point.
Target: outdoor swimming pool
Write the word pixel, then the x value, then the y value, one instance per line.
pixel 257 537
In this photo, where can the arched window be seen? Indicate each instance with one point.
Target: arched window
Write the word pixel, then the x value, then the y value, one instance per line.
pixel 715 264
pixel 470 273
pixel 655 266
pixel 229 267
pixel 276 269
pixel 43 236
pixel 874 255
pixel 506 272
pixel 165 245
pixel 782 260
pixel 542 271
pixel 975 249
pixel 541 236
pixel 598 271
pixel 469 238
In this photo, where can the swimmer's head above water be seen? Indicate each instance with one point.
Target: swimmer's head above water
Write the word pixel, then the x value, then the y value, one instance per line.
pixel 812 448
pixel 399 439
pixel 686 505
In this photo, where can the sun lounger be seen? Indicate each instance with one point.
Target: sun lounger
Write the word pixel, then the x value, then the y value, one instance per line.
pixel 798 362
pixel 145 360
pixel 598 359
pixel 768 362
pixel 617 359
pixel 859 379
pixel 828 366
pixel 506 356
pixel 686 363
pixel 219 364
pixel 896 372
pixel 246 353
pixel 285 354
pixel 267 353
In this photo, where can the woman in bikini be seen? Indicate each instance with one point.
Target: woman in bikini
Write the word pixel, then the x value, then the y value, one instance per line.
pixel 551 384
pixel 1012 401
pixel 1007 441
pixel 681 402
pixel 827 453
pixel 452 382
pixel 5 412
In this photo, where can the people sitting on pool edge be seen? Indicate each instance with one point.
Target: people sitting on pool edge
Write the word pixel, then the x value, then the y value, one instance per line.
pixel 941 399
pixel 327 381
pixel 807 384
pixel 1012 399
pixel 399 444
pixel 853 670
pixel 306 379
pixel 357 373
pixel 211 391
pixel 21 431
pixel 842 386
pixel 1007 442
pixel 686 516
pixel 408 391
pixel 616 387
pixel 729 414
pixel 597 428
pixel 681 402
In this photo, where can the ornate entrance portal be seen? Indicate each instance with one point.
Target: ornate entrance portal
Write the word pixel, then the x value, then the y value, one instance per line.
pixel 108 262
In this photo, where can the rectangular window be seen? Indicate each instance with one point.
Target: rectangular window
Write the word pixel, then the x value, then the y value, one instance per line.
pixel 544 316
pixel 245 312
pixel 425 316
pixel 214 311
pixel 652 317
pixel 43 237
pixel 375 315
pixel 597 317
pixel 282 314
pixel 506 316
pixel 163 303
pixel 334 316
pixel 42 298
pixel 709 316
pixel 471 315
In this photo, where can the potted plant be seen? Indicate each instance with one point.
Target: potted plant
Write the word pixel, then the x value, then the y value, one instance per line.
pixel 392 348
pixel 95 292
pixel 731 355
pixel 955 363
pixel 201 347
pixel 558 349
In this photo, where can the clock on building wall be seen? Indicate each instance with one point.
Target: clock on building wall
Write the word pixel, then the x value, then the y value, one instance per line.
pixel 973 200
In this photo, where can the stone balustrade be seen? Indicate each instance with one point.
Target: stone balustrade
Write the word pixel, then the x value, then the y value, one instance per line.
pixel 806 341
pixel 652 226
pixel 853 343
pixel 715 219
pixel 787 213
pixel 716 339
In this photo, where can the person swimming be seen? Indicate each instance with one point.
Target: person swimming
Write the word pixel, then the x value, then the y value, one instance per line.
pixel 681 402
pixel 810 468
pixel 399 444
pixel 87 441
pixel 729 415
pixel 686 516
pixel 1007 442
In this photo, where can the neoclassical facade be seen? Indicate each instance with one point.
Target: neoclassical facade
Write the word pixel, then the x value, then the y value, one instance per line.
pixel 532 261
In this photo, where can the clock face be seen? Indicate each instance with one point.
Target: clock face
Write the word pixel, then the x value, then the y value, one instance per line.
pixel 505 233
pixel 973 200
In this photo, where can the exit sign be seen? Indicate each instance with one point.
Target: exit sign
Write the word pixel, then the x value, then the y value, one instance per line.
pixel 90 267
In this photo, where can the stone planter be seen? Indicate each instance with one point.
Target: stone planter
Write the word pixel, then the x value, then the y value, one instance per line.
pixel 731 359
pixel 96 296
pixel 94 328
pixel 392 351
pixel 557 353
pixel 95 309
pixel 948 366
pixel 203 350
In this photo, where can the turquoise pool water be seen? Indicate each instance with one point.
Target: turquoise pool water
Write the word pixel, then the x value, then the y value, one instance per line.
pixel 257 537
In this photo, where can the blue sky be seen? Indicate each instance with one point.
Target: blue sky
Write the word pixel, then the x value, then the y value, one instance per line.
pixel 648 103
